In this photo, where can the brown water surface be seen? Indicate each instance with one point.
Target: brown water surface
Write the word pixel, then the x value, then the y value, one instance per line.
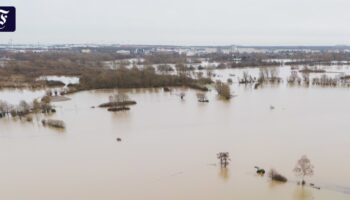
pixel 168 149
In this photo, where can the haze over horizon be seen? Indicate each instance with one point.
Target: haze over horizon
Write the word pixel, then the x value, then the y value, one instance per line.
pixel 184 22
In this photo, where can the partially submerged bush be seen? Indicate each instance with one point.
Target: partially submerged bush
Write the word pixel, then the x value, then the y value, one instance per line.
pixel 29 118
pixel 116 109
pixel 53 123
pixel 274 175
pixel 223 89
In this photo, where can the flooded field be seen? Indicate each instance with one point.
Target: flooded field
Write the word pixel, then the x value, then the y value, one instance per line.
pixel 169 146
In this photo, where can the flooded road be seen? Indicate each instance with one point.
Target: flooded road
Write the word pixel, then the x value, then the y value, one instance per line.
pixel 169 146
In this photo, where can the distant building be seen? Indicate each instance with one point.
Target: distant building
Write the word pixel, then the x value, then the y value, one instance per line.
pixel 250 50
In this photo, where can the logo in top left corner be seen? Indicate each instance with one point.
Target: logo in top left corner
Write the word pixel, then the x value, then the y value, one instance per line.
pixel 7 19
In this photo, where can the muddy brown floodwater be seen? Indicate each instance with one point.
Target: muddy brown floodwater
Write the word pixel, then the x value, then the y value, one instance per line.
pixel 168 148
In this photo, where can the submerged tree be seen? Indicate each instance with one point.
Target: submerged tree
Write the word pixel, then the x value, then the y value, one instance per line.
pixel 46 104
pixel 303 168
pixel 223 90
pixel 224 158
pixel 247 78
pixel 36 106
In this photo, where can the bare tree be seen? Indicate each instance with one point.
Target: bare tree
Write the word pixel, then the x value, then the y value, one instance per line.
pixel 224 158
pixel 246 78
pixel 46 104
pixel 36 106
pixel 303 168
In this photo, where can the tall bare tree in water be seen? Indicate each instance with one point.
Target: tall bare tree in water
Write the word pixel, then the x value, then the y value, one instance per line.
pixel 303 168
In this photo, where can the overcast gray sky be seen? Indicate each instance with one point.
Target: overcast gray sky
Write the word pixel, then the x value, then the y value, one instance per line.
pixel 182 22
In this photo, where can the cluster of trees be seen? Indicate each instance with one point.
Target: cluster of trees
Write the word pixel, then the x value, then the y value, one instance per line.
pixel 20 110
pixel 247 78
pixel 163 58
pixel 316 58
pixel 53 123
pixel 24 108
pixel 266 75
pixel 223 89
pixel 136 78
pixel 118 102
pixel 324 80
pixel 302 169
pixel 165 69
pixel 270 75
pixel 294 78
pixel 37 64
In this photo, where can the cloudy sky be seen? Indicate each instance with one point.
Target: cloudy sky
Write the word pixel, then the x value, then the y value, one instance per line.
pixel 182 22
